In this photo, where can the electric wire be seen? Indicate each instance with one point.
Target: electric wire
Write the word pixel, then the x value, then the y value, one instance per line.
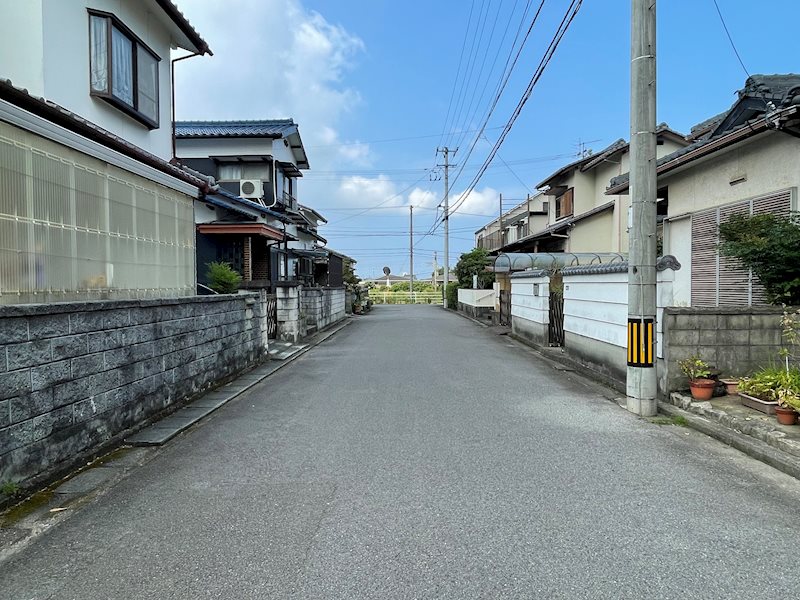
pixel 569 17
pixel 730 39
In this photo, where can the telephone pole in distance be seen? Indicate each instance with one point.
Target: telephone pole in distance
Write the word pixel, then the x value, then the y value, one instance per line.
pixel 446 152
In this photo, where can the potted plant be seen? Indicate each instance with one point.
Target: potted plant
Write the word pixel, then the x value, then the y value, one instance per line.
pixel 759 391
pixel 697 372
pixel 731 385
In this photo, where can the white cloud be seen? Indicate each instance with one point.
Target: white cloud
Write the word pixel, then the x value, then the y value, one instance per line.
pixel 272 59
pixel 477 202
pixel 423 198
pixel 368 191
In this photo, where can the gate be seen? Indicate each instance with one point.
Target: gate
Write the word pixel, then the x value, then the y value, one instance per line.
pixel 505 307
pixel 555 327
pixel 272 316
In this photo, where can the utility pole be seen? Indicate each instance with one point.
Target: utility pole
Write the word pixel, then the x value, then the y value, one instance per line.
pixel 411 253
pixel 435 270
pixel 642 381
pixel 447 165
pixel 501 220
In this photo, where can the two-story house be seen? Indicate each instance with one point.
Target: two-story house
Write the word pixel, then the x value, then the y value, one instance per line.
pixel 528 216
pixel 90 207
pixel 745 160
pixel 256 165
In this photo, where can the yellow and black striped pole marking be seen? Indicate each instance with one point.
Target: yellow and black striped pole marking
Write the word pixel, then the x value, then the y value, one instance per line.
pixel 641 342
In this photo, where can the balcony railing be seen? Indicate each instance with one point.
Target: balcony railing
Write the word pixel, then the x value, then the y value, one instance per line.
pixel 289 201
pixel 497 240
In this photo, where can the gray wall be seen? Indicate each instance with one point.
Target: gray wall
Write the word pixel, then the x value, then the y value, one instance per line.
pixel 735 340
pixel 75 375
pixel 322 307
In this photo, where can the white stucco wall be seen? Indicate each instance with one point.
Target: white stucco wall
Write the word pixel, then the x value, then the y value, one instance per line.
pixel 596 306
pixel 527 302
pixel 205 147
pixel 21 45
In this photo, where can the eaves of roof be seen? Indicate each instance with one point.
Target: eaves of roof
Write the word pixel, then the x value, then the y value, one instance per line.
pixel 316 214
pixel 250 204
pixel 617 146
pixel 566 169
pixel 265 128
pixel 704 147
pixel 67 119
pixel 183 24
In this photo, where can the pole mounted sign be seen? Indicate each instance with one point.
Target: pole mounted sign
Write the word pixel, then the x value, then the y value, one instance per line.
pixel 641 343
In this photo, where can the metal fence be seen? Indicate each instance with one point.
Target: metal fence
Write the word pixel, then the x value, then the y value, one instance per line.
pixel 388 297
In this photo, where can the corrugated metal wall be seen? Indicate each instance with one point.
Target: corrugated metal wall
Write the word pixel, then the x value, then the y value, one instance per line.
pixel 76 228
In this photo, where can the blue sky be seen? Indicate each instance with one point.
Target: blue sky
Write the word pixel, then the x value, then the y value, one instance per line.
pixel 353 73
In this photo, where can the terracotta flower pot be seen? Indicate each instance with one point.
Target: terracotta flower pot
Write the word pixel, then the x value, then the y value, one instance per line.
pixel 731 386
pixel 702 389
pixel 786 416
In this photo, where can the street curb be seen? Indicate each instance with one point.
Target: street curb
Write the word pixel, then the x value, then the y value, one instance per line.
pixel 150 435
pixel 468 318
pixel 752 447
pixel 763 432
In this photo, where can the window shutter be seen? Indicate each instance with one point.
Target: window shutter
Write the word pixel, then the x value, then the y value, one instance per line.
pixel 778 204
pixel 704 258
pixel 718 280
pixel 734 281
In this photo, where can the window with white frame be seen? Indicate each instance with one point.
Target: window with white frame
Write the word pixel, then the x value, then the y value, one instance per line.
pixel 123 70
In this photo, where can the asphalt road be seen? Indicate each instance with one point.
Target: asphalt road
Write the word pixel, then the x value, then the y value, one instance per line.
pixel 416 455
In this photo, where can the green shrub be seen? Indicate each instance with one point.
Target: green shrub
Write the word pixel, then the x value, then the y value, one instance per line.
pixel 452 295
pixel 768 244
pixel 222 278
pixel 774 384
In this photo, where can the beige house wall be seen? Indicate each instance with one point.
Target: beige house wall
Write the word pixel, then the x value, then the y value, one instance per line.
pixel 770 162
pixel 593 234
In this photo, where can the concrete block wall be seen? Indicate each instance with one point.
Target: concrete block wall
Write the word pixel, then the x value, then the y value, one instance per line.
pixel 530 306
pixel 735 340
pixel 75 375
pixel 322 307
pixel 291 327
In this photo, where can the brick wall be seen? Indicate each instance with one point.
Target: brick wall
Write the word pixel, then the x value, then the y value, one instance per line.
pixel 735 340
pixel 75 375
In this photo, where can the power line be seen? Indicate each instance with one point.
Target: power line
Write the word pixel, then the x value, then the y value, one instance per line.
pixel 390 140
pixel 458 70
pixel 497 54
pixel 473 54
pixel 501 88
pixel 467 117
pixel 730 39
pixel 569 17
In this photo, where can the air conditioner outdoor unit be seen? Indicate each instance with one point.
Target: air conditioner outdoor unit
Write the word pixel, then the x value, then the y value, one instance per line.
pixel 251 188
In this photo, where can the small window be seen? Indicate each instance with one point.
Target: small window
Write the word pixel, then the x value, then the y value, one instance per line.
pixel 237 171
pixel 123 71
pixel 564 204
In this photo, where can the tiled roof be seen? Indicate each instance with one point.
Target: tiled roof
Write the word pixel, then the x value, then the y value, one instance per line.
pixel 662 264
pixel 782 90
pixel 274 128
